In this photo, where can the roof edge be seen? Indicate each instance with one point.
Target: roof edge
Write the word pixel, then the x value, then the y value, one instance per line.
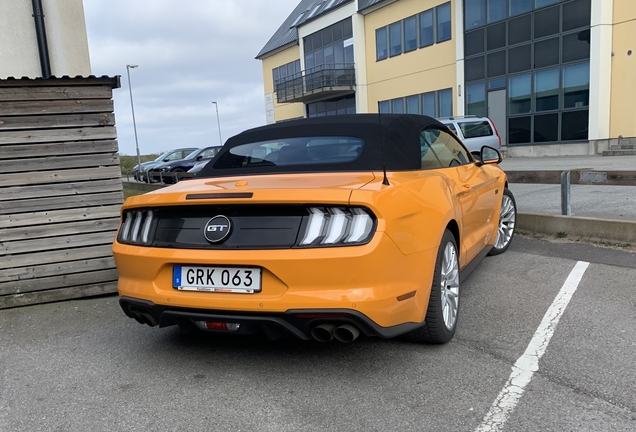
pixel 113 82
pixel 277 50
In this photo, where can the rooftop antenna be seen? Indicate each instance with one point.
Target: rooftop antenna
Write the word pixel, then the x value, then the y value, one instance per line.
pixel 385 181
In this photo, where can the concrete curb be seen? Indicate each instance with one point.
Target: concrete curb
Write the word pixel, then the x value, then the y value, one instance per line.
pixel 605 230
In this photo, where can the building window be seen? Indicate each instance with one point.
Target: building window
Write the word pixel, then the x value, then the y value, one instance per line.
pixel 496 64
pixel 520 58
pixel 519 130
pixel 445 98
pixel 520 30
pixel 546 53
pixel 427 28
pixel 497 10
pixel 546 128
pixel 547 22
pixel 476 99
pixel 574 125
pixel 413 104
pixel 546 90
pixel 517 7
pixel 286 72
pixel 475 13
pixel 519 94
pixel 395 38
pixel 576 46
pixel 576 14
pixel 421 30
pixel 474 43
pixel 336 106
pixel 410 34
pixel 576 86
pixel 434 104
pixel 496 36
pixel 327 46
pixel 444 26
pixel 541 3
pixel 428 104
pixel 381 44
pixel 475 68
pixel 397 106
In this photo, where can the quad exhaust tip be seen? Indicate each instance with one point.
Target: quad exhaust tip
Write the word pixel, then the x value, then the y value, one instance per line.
pixel 323 332
pixel 326 332
pixel 346 333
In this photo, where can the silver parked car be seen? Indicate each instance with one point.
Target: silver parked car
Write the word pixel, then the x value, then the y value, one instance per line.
pixel 475 132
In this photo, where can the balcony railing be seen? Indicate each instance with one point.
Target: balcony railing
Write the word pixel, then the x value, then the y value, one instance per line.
pixel 317 83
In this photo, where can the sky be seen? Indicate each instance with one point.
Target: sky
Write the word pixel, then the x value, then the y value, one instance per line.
pixel 190 53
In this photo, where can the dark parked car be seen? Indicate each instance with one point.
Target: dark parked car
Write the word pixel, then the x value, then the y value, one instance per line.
pixel 170 172
pixel 170 155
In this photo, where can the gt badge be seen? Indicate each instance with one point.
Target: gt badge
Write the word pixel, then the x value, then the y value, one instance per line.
pixel 217 229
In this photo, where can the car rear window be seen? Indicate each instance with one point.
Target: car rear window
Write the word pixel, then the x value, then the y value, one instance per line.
pixel 476 129
pixel 292 151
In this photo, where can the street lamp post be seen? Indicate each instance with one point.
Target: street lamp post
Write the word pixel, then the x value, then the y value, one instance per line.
pixel 217 121
pixel 132 107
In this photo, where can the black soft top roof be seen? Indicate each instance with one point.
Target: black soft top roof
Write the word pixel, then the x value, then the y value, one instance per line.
pixel 399 134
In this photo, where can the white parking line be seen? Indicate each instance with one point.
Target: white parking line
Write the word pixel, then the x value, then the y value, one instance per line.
pixel 528 363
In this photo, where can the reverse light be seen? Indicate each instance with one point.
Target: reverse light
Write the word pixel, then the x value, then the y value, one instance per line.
pixel 337 226
pixel 218 326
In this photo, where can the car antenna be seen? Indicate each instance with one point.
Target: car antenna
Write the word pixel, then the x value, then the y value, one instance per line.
pixel 385 181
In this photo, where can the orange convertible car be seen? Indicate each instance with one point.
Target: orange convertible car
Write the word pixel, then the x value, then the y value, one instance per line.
pixel 323 228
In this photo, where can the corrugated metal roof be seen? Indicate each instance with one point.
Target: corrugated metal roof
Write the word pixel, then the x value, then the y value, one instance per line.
pixel 306 10
pixel 364 4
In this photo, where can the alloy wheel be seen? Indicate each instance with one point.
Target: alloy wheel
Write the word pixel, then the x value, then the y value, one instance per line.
pixel 450 285
pixel 507 220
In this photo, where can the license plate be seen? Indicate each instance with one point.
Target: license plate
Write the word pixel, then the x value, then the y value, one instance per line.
pixel 246 280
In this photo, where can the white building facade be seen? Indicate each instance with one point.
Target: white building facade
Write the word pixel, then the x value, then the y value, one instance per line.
pixel 64 30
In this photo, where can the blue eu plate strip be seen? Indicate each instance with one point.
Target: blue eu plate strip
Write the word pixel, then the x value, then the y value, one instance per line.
pixel 176 277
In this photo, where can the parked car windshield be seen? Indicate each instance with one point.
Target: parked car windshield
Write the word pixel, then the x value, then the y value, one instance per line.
pixel 162 157
pixel 292 151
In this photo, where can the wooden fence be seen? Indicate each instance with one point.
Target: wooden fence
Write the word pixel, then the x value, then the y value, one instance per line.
pixel 60 189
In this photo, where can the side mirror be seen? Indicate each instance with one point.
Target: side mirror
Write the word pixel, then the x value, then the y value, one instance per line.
pixel 167 159
pixel 489 155
pixel 199 157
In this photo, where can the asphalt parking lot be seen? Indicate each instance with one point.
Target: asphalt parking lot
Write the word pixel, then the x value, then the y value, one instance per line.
pixel 80 365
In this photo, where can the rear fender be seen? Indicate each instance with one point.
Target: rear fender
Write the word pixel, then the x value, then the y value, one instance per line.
pixel 413 215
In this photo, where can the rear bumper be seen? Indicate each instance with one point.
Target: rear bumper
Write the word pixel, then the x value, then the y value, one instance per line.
pixel 375 280
pixel 296 323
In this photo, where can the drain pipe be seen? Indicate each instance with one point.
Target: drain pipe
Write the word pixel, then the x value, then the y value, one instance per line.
pixel 40 34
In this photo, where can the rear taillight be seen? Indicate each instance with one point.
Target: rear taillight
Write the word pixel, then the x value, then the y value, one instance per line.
pixel 337 226
pixel 496 132
pixel 137 227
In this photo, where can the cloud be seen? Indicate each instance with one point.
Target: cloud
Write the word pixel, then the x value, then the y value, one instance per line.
pixel 190 53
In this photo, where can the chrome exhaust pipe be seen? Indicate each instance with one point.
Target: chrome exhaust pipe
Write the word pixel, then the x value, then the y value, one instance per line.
pixel 323 332
pixel 346 333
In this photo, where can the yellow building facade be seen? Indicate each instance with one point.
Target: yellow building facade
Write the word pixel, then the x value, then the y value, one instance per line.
pixel 556 76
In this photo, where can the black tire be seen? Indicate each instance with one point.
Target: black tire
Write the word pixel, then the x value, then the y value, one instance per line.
pixel 435 330
pixel 173 177
pixel 507 223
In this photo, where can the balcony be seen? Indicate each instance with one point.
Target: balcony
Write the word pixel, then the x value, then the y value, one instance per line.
pixel 321 82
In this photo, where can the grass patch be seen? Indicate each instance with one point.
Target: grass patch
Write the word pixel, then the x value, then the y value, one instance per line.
pixel 128 192
pixel 128 162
